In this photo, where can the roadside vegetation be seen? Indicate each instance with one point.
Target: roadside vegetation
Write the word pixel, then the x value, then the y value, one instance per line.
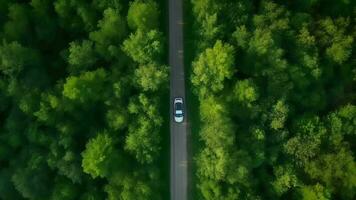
pixel 275 81
pixel 81 91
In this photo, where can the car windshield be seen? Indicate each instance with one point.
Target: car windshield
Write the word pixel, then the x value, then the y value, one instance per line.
pixel 179 115
pixel 179 106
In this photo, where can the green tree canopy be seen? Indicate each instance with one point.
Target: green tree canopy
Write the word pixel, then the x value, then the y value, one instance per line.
pixel 245 92
pixel 98 156
pixel 14 58
pixel 111 30
pixel 84 88
pixel 144 47
pixel 151 77
pixel 81 56
pixel 143 15
pixel 213 67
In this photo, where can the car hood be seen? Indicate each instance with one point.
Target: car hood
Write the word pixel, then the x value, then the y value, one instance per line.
pixel 178 119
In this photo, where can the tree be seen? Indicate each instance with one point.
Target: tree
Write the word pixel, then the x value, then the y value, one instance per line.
pixel 14 58
pixel 340 125
pixel 92 192
pixel 99 156
pixel 279 115
pixel 17 28
pixel 210 29
pixel 245 92
pixel 286 179
pixel 84 88
pixel 332 36
pixel 81 56
pixel 212 190
pixel 143 140
pixel 241 36
pixel 218 133
pixel 30 175
pixel 64 190
pixel 67 17
pixel 336 171
pixel 214 163
pixel 46 26
pixel 212 108
pixel 143 15
pixel 7 191
pixel 314 192
pixel 112 29
pixel 144 47
pixel 147 106
pixel 201 8
pixel 261 42
pixel 76 16
pixel 103 4
pixel 341 121
pixel 273 17
pixel 117 118
pixel 306 144
pixel 151 77
pixel 212 68
pixel 340 51
pixel 130 185
pixel 63 158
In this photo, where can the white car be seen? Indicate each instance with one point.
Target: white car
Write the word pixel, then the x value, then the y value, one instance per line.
pixel 178 110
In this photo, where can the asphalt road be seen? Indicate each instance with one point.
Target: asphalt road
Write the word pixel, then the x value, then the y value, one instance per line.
pixel 179 165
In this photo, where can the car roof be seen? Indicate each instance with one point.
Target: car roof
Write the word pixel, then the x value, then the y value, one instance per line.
pixel 178 98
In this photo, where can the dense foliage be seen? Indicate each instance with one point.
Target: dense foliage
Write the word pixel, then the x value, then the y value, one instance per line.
pixel 80 91
pixel 276 86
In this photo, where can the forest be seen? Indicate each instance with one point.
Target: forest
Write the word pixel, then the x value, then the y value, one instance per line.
pixel 274 81
pixel 81 88
pixel 84 86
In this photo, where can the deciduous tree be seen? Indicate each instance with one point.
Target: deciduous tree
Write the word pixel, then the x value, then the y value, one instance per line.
pixel 143 15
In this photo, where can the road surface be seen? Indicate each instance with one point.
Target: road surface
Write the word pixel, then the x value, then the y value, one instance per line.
pixel 179 168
